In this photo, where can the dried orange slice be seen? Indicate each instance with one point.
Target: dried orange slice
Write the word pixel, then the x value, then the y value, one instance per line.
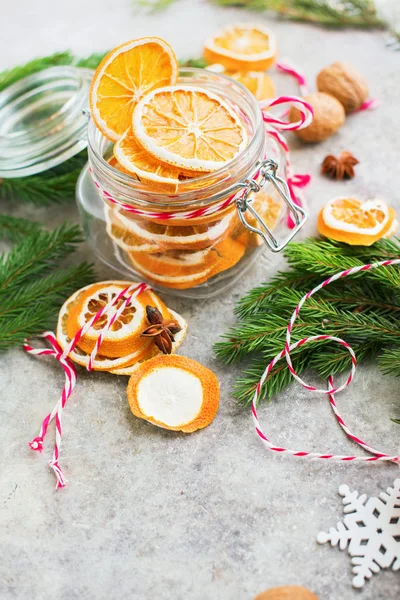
pixel 136 160
pixel 125 75
pixel 123 337
pixel 174 392
pixel 174 237
pixel 153 350
pixel 118 366
pixel 180 282
pixel 116 165
pixel 269 210
pixel 189 127
pixel 355 222
pixel 177 274
pixel 229 253
pixel 123 236
pixel 246 47
pixel 257 82
pixel 101 362
pixel 176 262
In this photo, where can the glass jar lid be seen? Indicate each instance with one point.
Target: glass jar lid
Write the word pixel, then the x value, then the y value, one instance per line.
pixel 43 121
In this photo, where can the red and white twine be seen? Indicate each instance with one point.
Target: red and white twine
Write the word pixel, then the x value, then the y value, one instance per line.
pixel 273 125
pixel 331 391
pixel 62 356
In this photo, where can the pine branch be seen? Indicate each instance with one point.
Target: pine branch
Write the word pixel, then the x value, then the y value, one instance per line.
pixel 330 13
pixel 352 13
pixel 36 255
pixel 90 62
pixel 12 75
pixel 363 310
pixel 15 229
pixel 34 308
pixel 33 281
pixel 389 362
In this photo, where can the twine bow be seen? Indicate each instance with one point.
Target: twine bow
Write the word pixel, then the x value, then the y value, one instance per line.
pixel 62 356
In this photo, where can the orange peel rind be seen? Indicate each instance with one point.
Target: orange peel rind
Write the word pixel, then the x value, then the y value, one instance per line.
pixel 174 392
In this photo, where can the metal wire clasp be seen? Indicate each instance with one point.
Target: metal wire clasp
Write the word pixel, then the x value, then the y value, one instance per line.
pixel 266 171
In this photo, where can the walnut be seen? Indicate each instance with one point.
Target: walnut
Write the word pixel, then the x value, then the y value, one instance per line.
pixel 329 116
pixel 287 592
pixel 344 83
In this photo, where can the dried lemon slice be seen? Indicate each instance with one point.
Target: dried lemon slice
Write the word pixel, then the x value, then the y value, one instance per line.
pixel 244 47
pixel 124 75
pixel 188 127
pixel 174 392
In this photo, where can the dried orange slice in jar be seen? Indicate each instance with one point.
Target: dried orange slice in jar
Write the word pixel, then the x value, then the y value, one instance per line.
pixel 269 210
pixel 355 222
pixel 182 237
pixel 246 47
pixel 174 392
pixel 257 82
pixel 122 235
pixel 189 128
pixel 136 160
pixel 122 365
pixel 124 76
pixel 176 262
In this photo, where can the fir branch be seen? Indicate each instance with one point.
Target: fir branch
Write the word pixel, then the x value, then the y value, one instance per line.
pixel 15 229
pixel 12 75
pixel 389 362
pixel 36 255
pixel 34 308
pixel 90 62
pixel 352 13
pixel 33 281
pixel 330 13
pixel 198 63
pixel 363 310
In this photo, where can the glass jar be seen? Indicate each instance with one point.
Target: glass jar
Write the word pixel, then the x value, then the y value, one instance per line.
pixel 147 234
pixel 142 233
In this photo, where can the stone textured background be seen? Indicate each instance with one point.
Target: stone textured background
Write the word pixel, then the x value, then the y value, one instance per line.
pixel 210 516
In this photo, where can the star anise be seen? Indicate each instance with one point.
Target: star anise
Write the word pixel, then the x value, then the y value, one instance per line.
pixel 339 168
pixel 162 331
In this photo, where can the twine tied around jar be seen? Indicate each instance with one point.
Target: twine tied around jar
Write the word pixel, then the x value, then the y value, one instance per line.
pixel 273 126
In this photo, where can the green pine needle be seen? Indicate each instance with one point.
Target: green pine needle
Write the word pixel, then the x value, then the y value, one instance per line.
pixel 15 229
pixel 12 75
pixel 363 309
pixel 34 283
pixel 330 13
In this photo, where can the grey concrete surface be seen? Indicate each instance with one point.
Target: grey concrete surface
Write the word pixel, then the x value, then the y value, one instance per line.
pixel 210 516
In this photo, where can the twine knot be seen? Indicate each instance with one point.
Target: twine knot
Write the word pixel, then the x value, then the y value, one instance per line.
pixel 36 444
pixel 61 481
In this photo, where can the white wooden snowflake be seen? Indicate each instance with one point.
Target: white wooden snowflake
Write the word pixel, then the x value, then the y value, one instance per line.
pixel 370 531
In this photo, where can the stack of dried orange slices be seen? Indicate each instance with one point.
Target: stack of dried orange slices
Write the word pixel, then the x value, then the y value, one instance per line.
pixel 126 343
pixel 165 134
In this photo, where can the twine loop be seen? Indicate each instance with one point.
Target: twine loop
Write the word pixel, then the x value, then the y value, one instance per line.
pixel 331 390
pixel 62 356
